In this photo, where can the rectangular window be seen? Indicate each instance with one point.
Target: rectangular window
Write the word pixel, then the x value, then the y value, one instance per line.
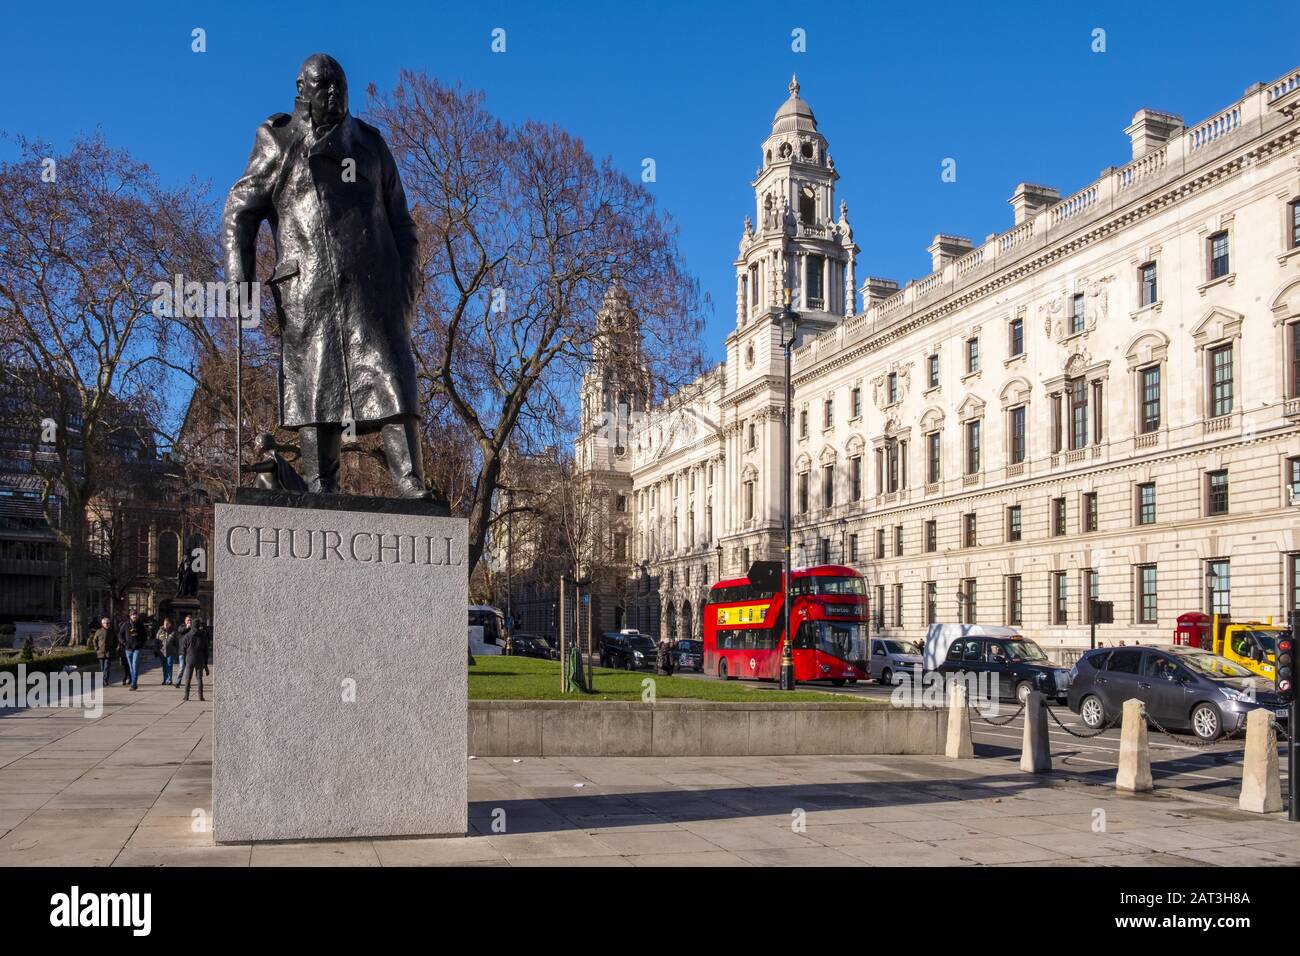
pixel 853 548
pixel 932 535
pixel 880 544
pixel 1220 381
pixel 1146 594
pixel 891 465
pixel 855 477
pixel 1147 282
pixel 1150 398
pixel 749 500
pixel 1294 330
pixel 803 423
pixel 932 459
pixel 823 551
pixel 969 536
pixel 753 435
pixel 1078 413
pixel 1146 503
pixel 813 281
pixel 1295 224
pixel 1017 430
pixel 966 598
pixel 972 356
pixel 932 371
pixel 855 400
pixel 898 541
pixel 1218 586
pixel 1218 255
pixel 1017 343
pixel 1058 516
pixel 1015 600
pixel 1216 493
pixel 931 602
pixel 1013 523
pixel 828 486
pixel 1090 592
pixel 973 447
pixel 802 497
pixel 1076 314
pixel 1293 480
pixel 898 605
pixel 893 387
pixel 879 613
pixel 1060 598
pixel 828 413
pixel 1090 511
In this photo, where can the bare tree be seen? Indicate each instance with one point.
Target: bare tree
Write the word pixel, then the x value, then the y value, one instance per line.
pixel 84 238
pixel 522 233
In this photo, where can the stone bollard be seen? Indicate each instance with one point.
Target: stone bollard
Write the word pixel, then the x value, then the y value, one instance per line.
pixel 959 744
pixel 1035 749
pixel 1134 751
pixel 1261 784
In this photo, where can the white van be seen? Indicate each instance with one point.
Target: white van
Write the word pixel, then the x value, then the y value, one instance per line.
pixel 487 630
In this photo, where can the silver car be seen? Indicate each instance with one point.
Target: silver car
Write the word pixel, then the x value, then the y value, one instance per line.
pixel 889 656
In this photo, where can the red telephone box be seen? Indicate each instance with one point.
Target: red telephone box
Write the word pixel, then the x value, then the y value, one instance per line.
pixel 1193 630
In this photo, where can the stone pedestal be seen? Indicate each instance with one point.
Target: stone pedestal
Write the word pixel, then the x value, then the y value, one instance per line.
pixel 1261 780
pixel 340 647
pixel 1134 774
pixel 1035 745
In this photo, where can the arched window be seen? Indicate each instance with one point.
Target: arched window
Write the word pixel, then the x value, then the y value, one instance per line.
pixel 807 205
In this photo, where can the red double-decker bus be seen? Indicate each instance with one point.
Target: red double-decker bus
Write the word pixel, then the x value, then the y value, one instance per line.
pixel 742 627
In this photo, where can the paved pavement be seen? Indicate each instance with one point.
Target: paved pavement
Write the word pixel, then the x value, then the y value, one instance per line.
pixel 133 787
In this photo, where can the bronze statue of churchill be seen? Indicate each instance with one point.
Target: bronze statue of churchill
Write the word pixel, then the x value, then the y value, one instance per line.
pixel 345 278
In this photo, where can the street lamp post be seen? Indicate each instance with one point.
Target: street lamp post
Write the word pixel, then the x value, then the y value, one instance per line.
pixel 719 550
pixel 789 326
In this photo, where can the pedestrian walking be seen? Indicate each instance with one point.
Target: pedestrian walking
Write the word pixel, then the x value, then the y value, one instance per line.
pixel 123 643
pixel 105 646
pixel 665 654
pixel 135 635
pixel 187 625
pixel 167 641
pixel 194 647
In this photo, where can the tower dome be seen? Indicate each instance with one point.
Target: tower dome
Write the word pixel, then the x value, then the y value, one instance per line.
pixel 795 114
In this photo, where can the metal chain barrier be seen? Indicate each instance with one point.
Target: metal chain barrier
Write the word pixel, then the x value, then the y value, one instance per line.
pixel 1195 743
pixel 1280 730
pixel 990 720
pixel 1075 733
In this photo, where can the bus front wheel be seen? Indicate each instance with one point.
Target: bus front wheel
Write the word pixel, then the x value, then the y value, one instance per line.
pixel 722 671
pixel 837 681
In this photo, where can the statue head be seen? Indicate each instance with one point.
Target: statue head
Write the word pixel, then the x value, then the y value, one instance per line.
pixel 263 444
pixel 323 90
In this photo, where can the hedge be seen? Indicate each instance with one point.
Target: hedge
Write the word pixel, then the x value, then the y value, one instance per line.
pixel 49 662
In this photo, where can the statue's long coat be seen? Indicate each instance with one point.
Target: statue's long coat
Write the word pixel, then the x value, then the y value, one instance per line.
pixel 346 268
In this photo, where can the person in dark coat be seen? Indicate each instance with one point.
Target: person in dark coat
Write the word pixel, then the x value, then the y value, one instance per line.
pixel 123 647
pixel 187 625
pixel 194 646
pixel 105 647
pixel 345 281
pixel 166 638
pixel 665 655
pixel 134 635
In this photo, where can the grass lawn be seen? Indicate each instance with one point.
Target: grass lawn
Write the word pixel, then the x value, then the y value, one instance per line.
pixel 530 678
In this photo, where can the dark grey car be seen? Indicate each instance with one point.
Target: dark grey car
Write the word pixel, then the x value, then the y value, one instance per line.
pixel 1183 688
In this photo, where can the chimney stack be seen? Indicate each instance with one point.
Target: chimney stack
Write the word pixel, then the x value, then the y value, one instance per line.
pixel 876 290
pixel 1029 200
pixel 1151 129
pixel 944 249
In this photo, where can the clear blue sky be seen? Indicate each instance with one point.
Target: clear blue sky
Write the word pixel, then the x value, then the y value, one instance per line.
pixel 1010 90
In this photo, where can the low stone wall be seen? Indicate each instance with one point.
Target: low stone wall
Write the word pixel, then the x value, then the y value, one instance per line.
pixel 687 728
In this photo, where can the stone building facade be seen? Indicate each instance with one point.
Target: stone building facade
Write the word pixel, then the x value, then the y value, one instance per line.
pixel 1101 401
